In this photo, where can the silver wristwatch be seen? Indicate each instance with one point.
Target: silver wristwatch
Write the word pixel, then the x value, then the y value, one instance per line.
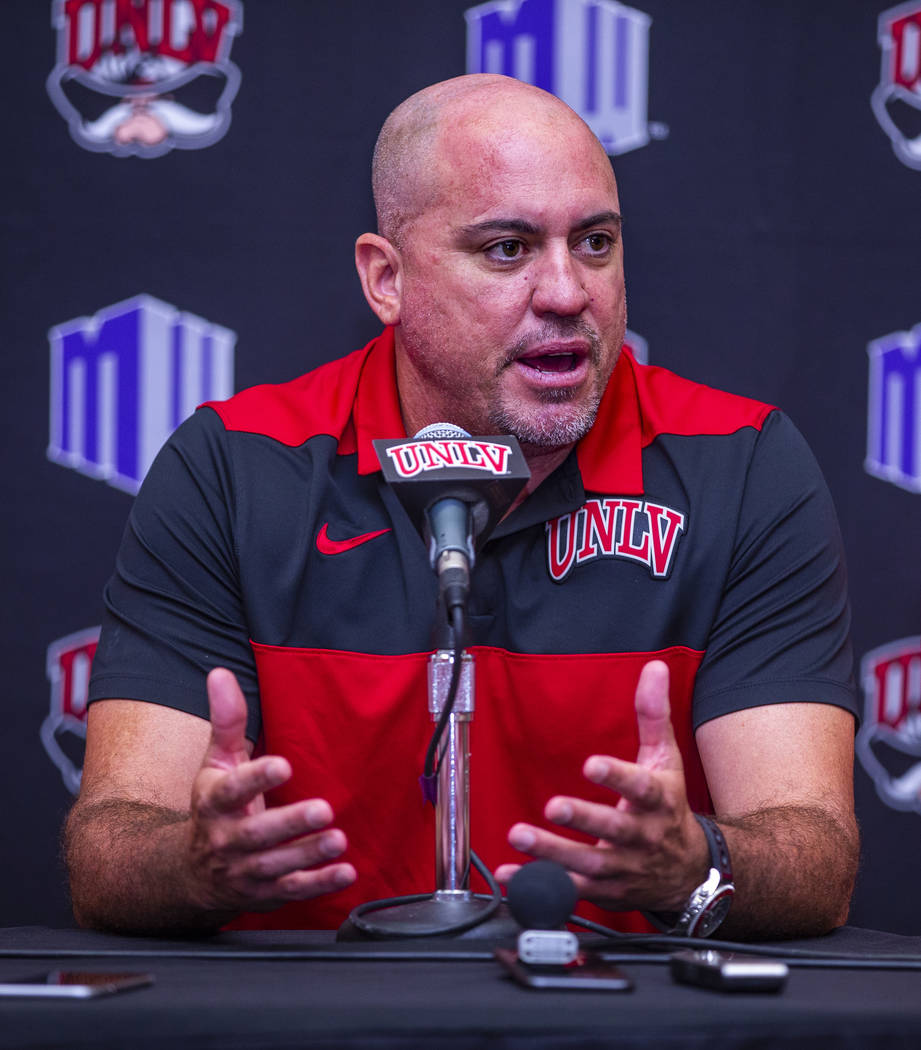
pixel 709 904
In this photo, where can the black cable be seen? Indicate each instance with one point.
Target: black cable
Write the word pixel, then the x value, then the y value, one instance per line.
pixel 457 624
pixel 369 927
pixel 795 956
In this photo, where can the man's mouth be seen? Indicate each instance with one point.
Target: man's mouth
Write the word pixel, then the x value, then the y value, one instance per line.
pixel 551 362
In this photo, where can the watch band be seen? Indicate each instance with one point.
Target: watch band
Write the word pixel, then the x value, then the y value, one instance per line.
pixel 709 903
pixel 719 851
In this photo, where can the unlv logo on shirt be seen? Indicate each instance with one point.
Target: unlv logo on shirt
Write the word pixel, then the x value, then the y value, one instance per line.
pixel 614 527
pixel 889 741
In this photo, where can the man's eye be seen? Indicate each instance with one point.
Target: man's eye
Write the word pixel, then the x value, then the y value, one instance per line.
pixel 506 250
pixel 597 243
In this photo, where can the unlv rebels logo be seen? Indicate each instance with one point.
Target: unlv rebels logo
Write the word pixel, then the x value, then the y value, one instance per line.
pixel 894 416
pixel 124 379
pixel 889 741
pixel 593 54
pixel 896 100
pixel 63 731
pixel 634 529
pixel 144 76
pixel 413 457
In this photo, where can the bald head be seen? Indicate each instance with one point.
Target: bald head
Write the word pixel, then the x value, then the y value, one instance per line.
pixel 410 144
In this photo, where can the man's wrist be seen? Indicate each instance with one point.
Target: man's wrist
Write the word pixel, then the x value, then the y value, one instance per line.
pixel 708 904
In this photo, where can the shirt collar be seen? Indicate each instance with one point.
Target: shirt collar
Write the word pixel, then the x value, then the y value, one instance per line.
pixel 376 412
pixel 611 454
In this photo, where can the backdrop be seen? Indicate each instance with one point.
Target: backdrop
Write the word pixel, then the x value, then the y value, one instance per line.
pixel 182 184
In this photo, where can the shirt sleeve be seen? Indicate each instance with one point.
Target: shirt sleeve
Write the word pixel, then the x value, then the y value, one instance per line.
pixel 173 606
pixel 781 633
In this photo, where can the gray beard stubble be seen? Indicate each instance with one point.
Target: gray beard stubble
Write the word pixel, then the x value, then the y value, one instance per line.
pixel 552 432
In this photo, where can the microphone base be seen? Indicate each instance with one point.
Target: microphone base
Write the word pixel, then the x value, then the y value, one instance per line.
pixel 429 917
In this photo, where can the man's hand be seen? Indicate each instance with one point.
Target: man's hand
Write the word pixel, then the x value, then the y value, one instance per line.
pixel 650 851
pixel 243 856
pixel 171 831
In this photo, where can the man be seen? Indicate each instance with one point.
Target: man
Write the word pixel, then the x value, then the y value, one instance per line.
pixel 660 625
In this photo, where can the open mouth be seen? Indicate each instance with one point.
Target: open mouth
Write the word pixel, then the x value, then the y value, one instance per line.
pixel 556 363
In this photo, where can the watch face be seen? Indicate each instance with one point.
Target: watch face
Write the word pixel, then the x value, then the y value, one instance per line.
pixel 714 911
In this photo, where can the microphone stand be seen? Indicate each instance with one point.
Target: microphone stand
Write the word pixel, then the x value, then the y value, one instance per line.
pixel 453 908
pixel 452 805
pixel 475 481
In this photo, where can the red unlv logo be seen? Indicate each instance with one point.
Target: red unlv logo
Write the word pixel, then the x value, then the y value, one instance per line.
pixel 896 100
pixel 143 77
pixel 889 741
pixel 415 457
pixel 635 529
pixel 64 730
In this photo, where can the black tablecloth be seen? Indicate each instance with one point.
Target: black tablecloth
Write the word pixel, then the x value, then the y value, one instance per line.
pixel 296 989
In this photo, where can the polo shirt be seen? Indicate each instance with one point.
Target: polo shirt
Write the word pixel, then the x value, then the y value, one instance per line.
pixel 689 525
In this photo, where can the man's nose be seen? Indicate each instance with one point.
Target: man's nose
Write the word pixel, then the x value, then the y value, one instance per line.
pixel 558 287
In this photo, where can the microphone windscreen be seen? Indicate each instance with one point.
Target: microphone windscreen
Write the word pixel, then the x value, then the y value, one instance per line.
pixel 440 432
pixel 541 895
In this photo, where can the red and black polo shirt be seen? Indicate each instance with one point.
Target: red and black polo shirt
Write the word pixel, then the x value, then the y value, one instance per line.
pixel 689 525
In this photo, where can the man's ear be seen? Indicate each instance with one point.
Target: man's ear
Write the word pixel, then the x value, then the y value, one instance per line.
pixel 380 269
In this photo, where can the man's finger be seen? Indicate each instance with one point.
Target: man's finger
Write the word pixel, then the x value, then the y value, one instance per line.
pixel 271 827
pixel 305 853
pixel 580 857
pixel 658 748
pixel 506 872
pixel 615 826
pixel 227 707
pixel 299 885
pixel 637 784
pixel 230 790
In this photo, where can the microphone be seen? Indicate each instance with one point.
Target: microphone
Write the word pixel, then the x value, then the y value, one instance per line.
pixel 451 529
pixel 541 896
pixel 455 488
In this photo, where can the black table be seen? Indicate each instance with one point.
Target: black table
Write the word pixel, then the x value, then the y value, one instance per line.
pixel 296 989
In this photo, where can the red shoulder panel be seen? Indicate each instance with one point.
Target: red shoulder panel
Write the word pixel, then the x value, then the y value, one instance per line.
pixel 670 404
pixel 319 402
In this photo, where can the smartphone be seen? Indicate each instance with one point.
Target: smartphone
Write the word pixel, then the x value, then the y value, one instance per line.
pixel 587 971
pixel 73 984
pixel 729 971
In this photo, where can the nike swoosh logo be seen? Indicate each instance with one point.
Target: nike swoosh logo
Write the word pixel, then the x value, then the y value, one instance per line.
pixel 325 545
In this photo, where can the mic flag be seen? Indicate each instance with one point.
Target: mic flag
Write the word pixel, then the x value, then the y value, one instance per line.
pixel 443 462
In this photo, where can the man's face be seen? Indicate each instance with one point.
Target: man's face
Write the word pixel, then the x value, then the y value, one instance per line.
pixel 512 308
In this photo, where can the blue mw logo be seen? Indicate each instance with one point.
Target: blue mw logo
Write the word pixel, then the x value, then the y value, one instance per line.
pixel 593 54
pixel 124 379
pixel 894 416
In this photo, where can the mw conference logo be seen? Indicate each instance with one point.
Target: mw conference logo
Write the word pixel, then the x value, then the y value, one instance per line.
pixel 894 410
pixel 125 378
pixel 593 54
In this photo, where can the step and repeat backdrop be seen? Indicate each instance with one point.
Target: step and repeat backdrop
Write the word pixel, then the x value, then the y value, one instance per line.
pixel 182 183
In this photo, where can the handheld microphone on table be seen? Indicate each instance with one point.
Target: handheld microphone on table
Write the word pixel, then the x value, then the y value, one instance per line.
pixel 541 897
pixel 455 489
